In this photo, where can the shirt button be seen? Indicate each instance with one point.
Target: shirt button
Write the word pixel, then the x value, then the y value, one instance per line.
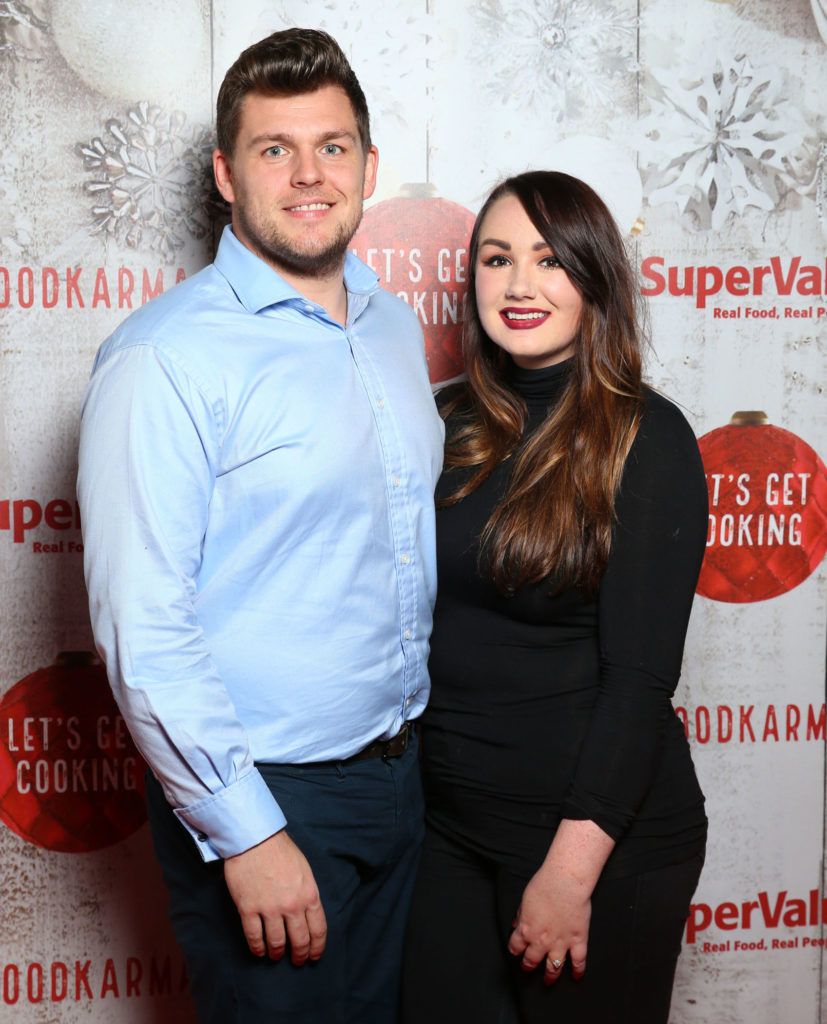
pixel 404 559
pixel 201 837
pixel 397 480
pixel 407 634
pixel 308 308
pixel 381 403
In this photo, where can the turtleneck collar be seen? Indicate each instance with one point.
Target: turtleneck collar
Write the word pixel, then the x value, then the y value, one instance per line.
pixel 539 388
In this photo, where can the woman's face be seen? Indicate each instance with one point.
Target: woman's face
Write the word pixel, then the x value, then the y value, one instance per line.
pixel 526 302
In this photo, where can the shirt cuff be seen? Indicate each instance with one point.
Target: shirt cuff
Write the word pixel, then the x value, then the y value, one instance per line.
pixel 234 819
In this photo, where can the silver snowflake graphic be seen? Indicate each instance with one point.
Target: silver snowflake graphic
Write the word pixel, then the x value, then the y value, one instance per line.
pixel 717 144
pixel 21 29
pixel 152 183
pixel 821 187
pixel 408 45
pixel 561 56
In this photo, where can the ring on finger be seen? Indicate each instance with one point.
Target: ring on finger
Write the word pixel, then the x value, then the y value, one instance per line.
pixel 554 964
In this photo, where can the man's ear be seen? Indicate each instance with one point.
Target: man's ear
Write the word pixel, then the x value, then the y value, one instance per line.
pixel 371 164
pixel 223 175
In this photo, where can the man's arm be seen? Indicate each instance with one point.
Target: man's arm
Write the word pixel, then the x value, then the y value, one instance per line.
pixel 149 455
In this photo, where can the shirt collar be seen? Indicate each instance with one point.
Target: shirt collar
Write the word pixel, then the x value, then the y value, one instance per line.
pixel 258 286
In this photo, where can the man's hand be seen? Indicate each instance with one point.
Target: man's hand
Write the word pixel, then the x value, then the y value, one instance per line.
pixel 277 899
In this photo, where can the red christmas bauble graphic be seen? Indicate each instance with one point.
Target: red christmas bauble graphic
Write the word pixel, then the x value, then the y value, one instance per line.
pixel 418 245
pixel 70 777
pixel 767 510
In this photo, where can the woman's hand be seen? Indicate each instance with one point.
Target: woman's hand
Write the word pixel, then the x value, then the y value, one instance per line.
pixel 552 922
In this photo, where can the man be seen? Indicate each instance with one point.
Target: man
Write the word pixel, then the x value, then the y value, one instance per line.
pixel 259 450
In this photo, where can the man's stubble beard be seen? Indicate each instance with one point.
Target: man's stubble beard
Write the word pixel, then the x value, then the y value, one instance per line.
pixel 278 251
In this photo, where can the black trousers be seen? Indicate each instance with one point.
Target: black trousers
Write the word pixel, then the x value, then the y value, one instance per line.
pixel 360 826
pixel 458 969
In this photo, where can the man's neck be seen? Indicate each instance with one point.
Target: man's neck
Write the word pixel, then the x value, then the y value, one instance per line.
pixel 328 291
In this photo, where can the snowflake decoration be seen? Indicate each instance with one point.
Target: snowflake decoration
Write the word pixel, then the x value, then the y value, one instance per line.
pixel 821 187
pixel 153 180
pixel 21 29
pixel 558 56
pixel 408 44
pixel 720 143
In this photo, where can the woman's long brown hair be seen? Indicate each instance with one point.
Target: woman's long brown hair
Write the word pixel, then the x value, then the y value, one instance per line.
pixel 556 517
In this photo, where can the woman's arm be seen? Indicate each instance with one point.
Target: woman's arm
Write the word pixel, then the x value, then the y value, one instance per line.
pixel 552 921
pixel 643 612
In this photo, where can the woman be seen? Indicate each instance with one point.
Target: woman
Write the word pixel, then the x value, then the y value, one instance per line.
pixel 566 827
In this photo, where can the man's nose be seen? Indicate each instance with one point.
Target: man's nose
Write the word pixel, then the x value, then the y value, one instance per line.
pixel 307 169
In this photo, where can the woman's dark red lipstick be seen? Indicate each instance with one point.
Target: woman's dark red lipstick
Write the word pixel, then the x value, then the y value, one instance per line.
pixel 517 319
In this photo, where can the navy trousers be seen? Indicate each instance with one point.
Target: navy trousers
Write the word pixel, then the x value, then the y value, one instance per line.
pixel 360 826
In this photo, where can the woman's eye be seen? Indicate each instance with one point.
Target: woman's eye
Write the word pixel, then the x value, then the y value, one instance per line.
pixel 495 261
pixel 550 262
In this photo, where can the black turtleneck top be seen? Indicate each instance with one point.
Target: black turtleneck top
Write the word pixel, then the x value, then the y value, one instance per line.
pixel 558 705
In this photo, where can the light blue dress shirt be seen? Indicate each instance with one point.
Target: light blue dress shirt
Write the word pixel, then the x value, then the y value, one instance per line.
pixel 256 486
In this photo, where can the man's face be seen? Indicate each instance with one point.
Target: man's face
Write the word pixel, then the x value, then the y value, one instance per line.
pixel 297 179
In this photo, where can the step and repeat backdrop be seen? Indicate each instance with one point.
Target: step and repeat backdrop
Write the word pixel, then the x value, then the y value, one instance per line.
pixel 703 123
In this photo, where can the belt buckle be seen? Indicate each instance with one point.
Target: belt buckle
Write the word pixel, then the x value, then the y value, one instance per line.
pixel 398 743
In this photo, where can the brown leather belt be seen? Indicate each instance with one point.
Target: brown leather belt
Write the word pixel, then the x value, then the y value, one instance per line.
pixel 386 749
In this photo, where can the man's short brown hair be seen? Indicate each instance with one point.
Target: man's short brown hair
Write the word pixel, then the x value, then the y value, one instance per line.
pixel 292 61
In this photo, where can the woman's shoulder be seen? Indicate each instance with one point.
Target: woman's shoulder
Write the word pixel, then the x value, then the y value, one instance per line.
pixel 663 424
pixel 663 476
pixel 665 452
